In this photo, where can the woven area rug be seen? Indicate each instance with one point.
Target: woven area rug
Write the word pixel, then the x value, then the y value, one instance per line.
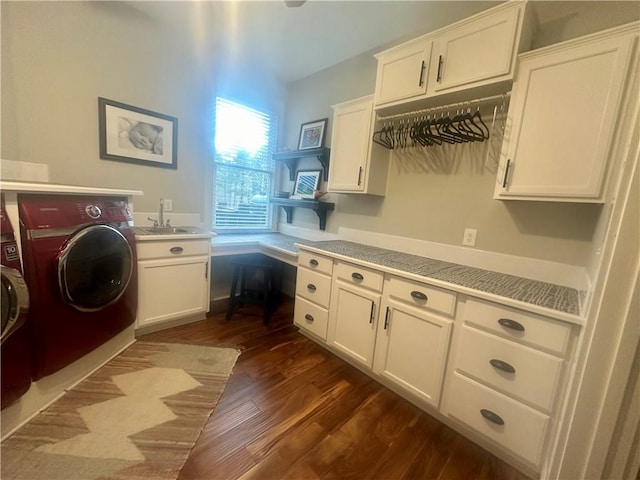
pixel 137 417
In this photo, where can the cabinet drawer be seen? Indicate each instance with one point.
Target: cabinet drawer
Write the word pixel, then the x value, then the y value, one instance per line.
pixel 313 286
pixel 540 332
pixel 361 276
pixel 311 317
pixel 315 262
pixel 509 423
pixel 517 370
pixel 169 249
pixel 422 296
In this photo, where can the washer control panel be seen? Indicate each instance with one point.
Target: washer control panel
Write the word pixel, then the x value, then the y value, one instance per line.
pixel 93 211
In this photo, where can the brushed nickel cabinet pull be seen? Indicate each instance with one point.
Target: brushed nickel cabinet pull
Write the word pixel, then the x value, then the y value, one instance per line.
pixel 502 365
pixel 373 309
pixel 439 75
pixel 386 318
pixel 360 176
pixel 313 262
pixel 311 287
pixel 492 417
pixel 176 250
pixel 421 81
pixel 506 174
pixel 419 295
pixel 357 276
pixel 512 324
pixel 308 317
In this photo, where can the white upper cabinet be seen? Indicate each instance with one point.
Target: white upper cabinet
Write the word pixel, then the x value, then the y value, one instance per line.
pixel 402 71
pixel 480 50
pixel 476 52
pixel 562 119
pixel 358 165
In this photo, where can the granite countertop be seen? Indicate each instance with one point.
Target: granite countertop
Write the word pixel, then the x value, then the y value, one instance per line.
pixel 543 294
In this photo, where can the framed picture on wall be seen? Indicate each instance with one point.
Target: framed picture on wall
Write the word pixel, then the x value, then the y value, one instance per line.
pixel 307 181
pixel 312 134
pixel 135 135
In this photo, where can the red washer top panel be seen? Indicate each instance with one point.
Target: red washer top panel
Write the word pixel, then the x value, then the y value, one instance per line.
pixel 63 211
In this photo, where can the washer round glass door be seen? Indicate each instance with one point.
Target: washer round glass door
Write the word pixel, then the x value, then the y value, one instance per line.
pixel 94 268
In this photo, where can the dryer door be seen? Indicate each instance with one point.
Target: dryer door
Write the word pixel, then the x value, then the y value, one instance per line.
pixel 94 268
pixel 15 301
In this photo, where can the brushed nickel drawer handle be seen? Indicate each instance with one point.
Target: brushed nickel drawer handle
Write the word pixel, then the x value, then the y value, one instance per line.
pixel 176 250
pixel 313 262
pixel 492 417
pixel 308 317
pixel 419 295
pixel 501 365
pixel 512 324
pixel 357 276
pixel 311 287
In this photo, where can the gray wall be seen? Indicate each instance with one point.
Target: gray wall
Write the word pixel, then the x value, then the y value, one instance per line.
pixel 438 206
pixel 59 57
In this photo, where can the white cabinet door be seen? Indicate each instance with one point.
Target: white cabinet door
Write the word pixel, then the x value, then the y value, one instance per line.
pixel 411 350
pixel 172 288
pixel 352 322
pixel 402 72
pixel 477 51
pixel 358 165
pixel 562 120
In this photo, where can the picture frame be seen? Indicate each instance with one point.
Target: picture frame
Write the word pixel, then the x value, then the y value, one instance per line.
pixel 312 134
pixel 136 135
pixel 307 181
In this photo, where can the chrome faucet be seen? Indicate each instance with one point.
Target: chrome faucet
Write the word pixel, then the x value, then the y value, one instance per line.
pixel 161 213
pixel 160 221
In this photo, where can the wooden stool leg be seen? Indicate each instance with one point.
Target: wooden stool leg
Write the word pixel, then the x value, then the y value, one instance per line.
pixel 232 296
pixel 266 287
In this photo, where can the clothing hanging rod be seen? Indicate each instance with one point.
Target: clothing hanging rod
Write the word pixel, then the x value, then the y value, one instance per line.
pixel 466 103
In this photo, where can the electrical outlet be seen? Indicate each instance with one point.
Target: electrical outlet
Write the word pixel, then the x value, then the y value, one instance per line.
pixel 469 238
pixel 168 205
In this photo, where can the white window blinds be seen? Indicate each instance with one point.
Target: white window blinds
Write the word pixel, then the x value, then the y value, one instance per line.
pixel 244 143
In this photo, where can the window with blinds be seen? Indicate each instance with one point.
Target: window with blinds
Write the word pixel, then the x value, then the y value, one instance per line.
pixel 244 167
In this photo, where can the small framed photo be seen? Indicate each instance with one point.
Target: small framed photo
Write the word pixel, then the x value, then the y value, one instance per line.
pixel 135 135
pixel 312 134
pixel 306 182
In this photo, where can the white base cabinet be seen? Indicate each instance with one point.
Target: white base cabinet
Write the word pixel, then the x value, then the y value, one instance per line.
pixel 507 371
pixel 493 372
pixel 173 280
pixel 355 301
pixel 313 291
pixel 411 350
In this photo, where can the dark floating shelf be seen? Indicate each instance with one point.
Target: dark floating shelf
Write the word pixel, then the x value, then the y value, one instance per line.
pixel 288 204
pixel 290 159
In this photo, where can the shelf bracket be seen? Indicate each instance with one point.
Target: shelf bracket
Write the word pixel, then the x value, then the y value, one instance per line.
pixel 322 216
pixel 289 212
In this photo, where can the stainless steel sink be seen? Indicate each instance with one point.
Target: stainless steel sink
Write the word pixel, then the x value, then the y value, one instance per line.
pixel 169 230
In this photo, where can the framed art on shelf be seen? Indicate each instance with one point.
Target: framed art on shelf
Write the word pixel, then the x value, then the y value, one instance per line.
pixel 307 181
pixel 312 134
pixel 136 135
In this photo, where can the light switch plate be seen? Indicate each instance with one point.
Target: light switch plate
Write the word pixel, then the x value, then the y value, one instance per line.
pixel 469 237
pixel 168 205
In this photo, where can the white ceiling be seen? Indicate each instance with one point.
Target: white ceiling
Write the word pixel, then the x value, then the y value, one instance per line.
pixel 292 43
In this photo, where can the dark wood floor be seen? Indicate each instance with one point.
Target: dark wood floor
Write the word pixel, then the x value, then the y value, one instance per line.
pixel 293 410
